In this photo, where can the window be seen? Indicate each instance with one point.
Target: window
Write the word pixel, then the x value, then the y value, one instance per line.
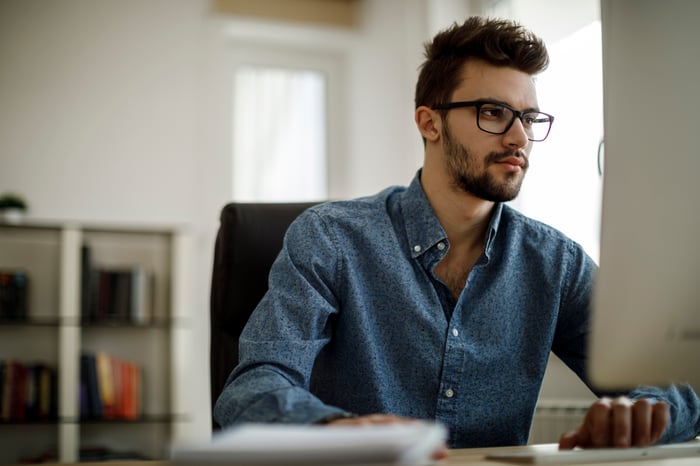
pixel 288 102
pixel 279 134
pixel 563 186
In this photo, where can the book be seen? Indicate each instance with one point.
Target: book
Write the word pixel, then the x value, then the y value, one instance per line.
pixel 131 391
pixel 18 404
pixel 23 387
pixel 120 294
pixel 119 300
pixel 112 386
pixel 127 383
pixel 48 392
pixel 7 391
pixel 13 294
pixel 88 377
pixel 2 386
pixel 32 396
pixel 141 295
pixel 105 378
pixel 87 275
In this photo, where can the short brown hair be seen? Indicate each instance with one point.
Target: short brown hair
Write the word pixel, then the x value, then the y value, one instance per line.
pixel 497 41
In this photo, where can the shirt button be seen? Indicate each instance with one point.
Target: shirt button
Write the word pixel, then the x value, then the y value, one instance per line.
pixel 455 332
pixel 417 248
pixel 449 393
pixel 441 245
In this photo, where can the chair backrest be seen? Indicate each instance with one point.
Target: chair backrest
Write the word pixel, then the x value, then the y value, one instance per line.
pixel 248 241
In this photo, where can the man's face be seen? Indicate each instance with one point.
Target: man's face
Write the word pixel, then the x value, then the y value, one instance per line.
pixel 488 166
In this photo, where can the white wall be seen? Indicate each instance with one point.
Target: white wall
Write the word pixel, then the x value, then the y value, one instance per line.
pixel 97 104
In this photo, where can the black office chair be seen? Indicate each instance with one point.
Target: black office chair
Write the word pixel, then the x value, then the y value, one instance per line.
pixel 248 241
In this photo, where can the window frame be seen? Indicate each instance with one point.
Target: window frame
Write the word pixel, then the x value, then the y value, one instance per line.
pixel 331 64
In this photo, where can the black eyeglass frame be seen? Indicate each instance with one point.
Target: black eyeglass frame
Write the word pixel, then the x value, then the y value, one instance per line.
pixel 516 114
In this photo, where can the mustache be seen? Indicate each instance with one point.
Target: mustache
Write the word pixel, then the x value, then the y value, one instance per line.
pixel 495 157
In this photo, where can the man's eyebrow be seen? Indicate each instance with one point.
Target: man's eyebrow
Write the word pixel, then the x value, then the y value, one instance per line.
pixel 507 104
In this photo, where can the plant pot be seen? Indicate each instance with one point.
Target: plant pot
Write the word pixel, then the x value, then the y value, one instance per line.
pixel 12 215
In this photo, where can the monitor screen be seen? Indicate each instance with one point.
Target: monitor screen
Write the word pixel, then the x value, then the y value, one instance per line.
pixel 646 306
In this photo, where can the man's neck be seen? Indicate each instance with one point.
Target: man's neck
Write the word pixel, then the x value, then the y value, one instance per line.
pixel 463 216
pixel 465 219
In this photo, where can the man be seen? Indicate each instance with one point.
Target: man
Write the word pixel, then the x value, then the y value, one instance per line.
pixel 437 301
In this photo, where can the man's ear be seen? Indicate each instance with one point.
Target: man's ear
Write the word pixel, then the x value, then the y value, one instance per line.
pixel 429 123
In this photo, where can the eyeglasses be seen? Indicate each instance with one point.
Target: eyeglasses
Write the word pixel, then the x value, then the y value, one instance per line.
pixel 497 118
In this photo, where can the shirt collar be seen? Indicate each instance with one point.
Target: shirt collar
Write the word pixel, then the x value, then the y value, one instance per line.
pixel 493 227
pixel 423 230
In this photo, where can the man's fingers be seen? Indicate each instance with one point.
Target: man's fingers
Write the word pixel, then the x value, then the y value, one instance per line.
pixel 660 418
pixel 442 453
pixel 621 411
pixel 619 423
pixel 570 440
pixel 641 423
pixel 598 423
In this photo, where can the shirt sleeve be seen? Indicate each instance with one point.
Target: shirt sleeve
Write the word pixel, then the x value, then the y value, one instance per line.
pixel 285 334
pixel 684 408
pixel 571 335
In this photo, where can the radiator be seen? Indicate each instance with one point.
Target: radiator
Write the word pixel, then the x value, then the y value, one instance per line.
pixel 555 417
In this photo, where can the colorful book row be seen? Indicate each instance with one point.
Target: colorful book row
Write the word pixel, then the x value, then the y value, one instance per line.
pixel 110 387
pixel 28 391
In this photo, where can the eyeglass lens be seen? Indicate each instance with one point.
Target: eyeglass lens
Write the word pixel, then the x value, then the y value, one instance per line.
pixel 497 119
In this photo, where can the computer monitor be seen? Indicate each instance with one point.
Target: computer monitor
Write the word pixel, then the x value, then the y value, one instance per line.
pixel 646 306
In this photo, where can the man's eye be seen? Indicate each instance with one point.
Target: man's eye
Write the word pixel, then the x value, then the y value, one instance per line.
pixel 532 118
pixel 493 112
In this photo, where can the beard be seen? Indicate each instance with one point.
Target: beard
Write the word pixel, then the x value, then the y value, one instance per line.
pixel 462 168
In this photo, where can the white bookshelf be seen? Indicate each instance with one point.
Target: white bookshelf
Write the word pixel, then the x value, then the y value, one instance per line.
pixel 55 334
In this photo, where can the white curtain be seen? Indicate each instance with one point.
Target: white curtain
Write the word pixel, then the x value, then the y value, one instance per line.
pixel 279 135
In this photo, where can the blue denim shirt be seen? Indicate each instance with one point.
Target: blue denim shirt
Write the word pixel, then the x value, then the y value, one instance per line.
pixel 356 321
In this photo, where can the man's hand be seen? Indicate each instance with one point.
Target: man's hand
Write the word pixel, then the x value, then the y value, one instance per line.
pixel 373 419
pixel 619 423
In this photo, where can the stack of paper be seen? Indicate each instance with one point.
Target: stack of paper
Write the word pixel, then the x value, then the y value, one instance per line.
pixel 256 444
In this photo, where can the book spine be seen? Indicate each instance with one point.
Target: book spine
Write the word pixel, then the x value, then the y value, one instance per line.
pixel 13 294
pixel 7 391
pixel 106 385
pixel 141 282
pixel 86 285
pixel 88 375
pixel 32 397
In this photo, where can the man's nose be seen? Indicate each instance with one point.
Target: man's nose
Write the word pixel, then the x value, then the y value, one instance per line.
pixel 516 136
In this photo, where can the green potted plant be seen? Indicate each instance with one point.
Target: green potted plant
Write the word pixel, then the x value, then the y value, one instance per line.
pixel 12 208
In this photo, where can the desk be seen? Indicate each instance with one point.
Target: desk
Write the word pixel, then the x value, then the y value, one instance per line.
pixel 461 457
pixel 476 457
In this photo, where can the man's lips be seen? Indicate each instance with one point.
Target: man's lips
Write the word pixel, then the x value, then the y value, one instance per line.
pixel 512 161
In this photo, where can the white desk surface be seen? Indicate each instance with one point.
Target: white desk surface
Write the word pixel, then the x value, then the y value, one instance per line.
pixel 477 457
pixel 469 457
